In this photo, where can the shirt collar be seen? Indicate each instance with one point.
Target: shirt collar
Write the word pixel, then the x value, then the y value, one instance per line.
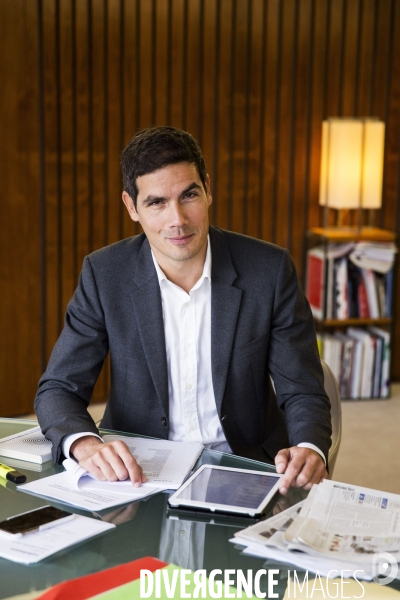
pixel 206 269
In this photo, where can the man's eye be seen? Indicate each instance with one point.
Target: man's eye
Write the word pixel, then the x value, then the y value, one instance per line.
pixel 190 195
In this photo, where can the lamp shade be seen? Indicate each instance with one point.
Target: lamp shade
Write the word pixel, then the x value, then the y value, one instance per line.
pixel 352 163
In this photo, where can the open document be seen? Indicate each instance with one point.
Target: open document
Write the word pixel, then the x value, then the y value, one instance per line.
pixel 165 464
pixel 37 545
pixel 347 521
pixel 338 527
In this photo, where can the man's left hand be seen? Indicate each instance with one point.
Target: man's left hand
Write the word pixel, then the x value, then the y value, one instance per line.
pixel 302 467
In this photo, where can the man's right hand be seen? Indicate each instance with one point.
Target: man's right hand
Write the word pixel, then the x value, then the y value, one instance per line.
pixel 107 461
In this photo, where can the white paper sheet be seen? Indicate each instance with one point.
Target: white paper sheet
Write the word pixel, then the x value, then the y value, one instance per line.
pixel 37 545
pixel 164 463
pixel 98 497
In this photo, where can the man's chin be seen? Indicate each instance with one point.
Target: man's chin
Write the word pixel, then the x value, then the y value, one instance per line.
pixel 182 254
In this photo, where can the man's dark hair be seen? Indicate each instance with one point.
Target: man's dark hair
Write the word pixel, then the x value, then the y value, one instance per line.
pixel 157 147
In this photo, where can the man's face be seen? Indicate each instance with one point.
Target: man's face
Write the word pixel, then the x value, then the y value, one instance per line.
pixel 172 208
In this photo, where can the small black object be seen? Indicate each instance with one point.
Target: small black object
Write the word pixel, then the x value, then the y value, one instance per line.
pixel 16 477
pixel 164 421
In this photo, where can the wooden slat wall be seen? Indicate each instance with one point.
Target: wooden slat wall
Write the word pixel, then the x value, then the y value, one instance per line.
pixel 252 80
pixel 19 207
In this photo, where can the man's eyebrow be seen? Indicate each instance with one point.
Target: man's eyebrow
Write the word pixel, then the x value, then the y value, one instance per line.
pixel 150 199
pixel 192 186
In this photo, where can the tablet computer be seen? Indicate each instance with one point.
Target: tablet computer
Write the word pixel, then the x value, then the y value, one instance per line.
pixel 229 490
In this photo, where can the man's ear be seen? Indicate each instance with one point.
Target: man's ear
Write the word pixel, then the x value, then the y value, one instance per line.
pixel 127 200
pixel 208 189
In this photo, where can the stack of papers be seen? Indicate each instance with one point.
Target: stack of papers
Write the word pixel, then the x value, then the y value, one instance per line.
pixel 338 527
pixel 166 464
pixel 37 545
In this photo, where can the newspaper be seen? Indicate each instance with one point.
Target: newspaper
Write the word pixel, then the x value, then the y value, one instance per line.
pixel 271 531
pixel 347 521
pixel 338 526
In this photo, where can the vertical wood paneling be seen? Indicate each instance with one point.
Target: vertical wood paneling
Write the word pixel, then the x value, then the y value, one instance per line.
pixel 365 58
pixel 49 50
pixel 161 62
pixel 302 126
pixel 318 108
pixel 192 68
pixel 178 50
pixel 251 194
pixel 20 309
pixel 350 57
pixel 223 130
pixel 209 75
pixel 289 12
pixel 269 134
pixel 131 89
pixel 251 79
pixel 237 120
pixel 82 135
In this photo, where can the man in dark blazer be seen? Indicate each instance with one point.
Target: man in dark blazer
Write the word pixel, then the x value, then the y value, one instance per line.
pixel 205 376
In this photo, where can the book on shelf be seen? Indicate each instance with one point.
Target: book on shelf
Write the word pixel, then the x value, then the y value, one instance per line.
pixel 359 359
pixel 385 360
pixel 370 283
pixel 347 344
pixel 315 288
pixel 368 360
pixel 320 275
pixel 341 285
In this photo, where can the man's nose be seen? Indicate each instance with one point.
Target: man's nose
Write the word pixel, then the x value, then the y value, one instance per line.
pixel 176 215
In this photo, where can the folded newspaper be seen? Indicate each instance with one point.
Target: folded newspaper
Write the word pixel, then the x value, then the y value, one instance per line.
pixel 337 527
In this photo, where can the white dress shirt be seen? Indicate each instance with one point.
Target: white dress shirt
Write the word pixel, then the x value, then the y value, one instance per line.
pixel 187 326
pixel 193 415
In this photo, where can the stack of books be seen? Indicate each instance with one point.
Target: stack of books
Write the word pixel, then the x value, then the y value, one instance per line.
pixel 352 280
pixel 359 359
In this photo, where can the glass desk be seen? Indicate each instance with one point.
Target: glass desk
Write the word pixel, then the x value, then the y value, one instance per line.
pixel 144 528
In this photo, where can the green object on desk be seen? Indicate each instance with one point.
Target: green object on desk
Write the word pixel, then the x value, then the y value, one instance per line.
pixel 9 473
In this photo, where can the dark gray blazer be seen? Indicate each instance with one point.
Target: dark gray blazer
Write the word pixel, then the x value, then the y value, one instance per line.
pixel 261 325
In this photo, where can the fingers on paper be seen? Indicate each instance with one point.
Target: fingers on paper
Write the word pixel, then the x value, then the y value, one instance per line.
pixel 114 462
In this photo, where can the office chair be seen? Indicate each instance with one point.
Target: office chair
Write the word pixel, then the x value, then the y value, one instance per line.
pixel 332 390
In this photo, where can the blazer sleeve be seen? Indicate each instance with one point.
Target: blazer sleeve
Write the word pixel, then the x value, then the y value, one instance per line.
pixel 66 386
pixel 295 365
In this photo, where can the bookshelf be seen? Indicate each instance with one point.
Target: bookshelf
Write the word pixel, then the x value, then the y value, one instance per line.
pixel 351 296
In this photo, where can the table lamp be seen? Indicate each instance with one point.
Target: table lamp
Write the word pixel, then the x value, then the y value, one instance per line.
pixel 351 166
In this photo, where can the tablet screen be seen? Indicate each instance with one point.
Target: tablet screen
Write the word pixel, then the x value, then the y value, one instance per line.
pixel 225 487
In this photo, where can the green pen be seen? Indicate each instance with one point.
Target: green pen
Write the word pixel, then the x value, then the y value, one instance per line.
pixel 12 475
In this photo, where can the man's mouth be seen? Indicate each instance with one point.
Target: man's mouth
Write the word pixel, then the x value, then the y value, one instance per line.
pixel 180 240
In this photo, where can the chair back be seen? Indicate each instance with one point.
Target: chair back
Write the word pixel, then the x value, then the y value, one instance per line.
pixel 332 390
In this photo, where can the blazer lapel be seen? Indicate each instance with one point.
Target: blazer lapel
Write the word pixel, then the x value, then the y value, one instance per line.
pixel 146 300
pixel 225 303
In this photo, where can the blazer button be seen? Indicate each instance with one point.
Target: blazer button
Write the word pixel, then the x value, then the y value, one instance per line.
pixel 164 421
